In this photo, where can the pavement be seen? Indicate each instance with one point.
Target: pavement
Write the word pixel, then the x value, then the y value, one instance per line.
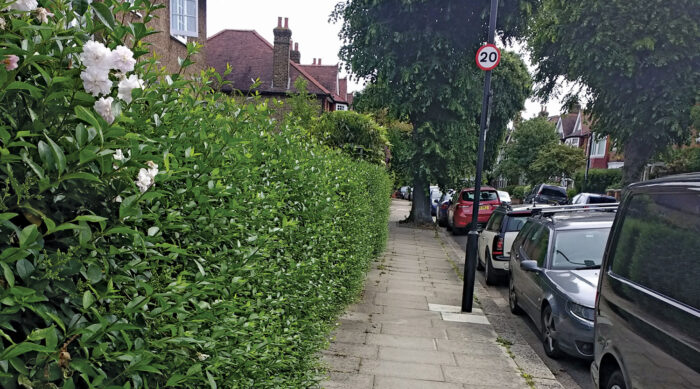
pixel 407 330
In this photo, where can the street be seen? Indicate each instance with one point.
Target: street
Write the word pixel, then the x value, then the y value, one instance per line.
pixel 570 372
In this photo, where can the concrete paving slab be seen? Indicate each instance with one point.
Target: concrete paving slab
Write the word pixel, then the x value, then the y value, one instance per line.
pixel 367 351
pixel 417 331
pixel 338 380
pixel 402 369
pixel 465 318
pixel 416 356
pixel 342 363
pixel 381 382
pixel 480 376
pixel 401 341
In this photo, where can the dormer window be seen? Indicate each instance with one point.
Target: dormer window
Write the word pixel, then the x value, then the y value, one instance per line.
pixel 184 18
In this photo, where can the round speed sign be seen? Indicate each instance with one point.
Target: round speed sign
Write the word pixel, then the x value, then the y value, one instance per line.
pixel 488 57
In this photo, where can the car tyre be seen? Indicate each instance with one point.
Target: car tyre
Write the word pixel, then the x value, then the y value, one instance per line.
pixel 549 333
pixel 615 381
pixel 490 272
pixel 513 298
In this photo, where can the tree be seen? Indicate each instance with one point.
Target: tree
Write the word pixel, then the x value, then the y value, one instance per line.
pixel 639 61
pixel 529 138
pixel 355 134
pixel 420 56
pixel 559 161
pixel 303 107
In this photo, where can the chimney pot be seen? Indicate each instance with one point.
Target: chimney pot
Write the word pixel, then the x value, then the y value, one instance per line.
pixel 296 46
pixel 279 22
pixel 314 62
pixel 286 22
pixel 319 62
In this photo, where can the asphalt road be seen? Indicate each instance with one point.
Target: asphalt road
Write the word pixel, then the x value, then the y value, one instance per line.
pixel 572 373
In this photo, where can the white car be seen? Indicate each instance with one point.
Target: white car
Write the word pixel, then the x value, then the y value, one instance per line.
pixel 504 196
pixel 496 239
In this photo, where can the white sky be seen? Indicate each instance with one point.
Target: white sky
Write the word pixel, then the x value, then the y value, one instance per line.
pixel 308 20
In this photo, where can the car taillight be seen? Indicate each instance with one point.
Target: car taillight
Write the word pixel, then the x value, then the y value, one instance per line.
pixel 498 246
pixel 464 206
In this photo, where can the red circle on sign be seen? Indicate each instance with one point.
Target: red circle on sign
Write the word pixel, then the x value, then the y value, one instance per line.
pixel 487 49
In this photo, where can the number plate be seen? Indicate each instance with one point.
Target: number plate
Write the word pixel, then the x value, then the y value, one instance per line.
pixel 484 208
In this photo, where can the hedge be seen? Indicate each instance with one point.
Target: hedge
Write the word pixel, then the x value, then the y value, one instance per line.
pixel 185 241
pixel 599 180
pixel 355 133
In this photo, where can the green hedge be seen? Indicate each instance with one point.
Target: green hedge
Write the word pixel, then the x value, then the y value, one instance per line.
pixel 599 180
pixel 226 272
pixel 356 134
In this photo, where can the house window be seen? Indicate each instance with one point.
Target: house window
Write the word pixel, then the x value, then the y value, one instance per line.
pixel 341 107
pixel 598 146
pixel 183 18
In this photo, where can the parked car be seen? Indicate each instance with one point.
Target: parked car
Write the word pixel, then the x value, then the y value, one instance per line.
pixel 435 195
pixel 444 205
pixel 648 305
pixel 554 267
pixel 497 238
pixel 459 214
pixel 504 197
pixel 406 192
pixel 547 194
pixel 592 198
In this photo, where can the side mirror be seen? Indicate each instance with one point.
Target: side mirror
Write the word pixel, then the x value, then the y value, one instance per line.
pixel 529 265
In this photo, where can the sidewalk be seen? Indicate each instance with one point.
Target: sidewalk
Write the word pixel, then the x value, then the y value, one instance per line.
pixel 407 331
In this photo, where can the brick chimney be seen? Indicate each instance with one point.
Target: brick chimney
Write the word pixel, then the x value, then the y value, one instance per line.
pixel 295 55
pixel 319 62
pixel 314 62
pixel 280 58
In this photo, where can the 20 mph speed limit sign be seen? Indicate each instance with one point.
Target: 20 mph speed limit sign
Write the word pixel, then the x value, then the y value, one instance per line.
pixel 488 57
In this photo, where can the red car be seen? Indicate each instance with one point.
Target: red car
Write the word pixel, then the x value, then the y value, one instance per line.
pixel 460 213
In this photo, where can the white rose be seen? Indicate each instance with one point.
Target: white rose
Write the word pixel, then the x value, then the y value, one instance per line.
pixel 96 55
pixel 24 5
pixel 122 59
pixel 103 106
pixel 96 81
pixel 118 155
pixel 146 177
pixel 127 85
pixel 43 14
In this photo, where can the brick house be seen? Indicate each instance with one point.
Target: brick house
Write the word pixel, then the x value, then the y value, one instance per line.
pixel 277 66
pixel 574 130
pixel 179 22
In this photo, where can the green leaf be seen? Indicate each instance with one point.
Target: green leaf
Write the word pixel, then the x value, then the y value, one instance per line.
pixel 153 231
pixel 45 153
pixel 210 379
pixel 24 268
pixel 19 85
pixel 129 207
pixel 81 135
pixel 58 155
pixel 94 273
pixel 120 230
pixel 104 14
pixel 88 299
pixel 85 115
pixel 28 236
pixel 80 6
pixel 80 176
pixel 9 275
pixel 7 215
pixel 23 348
pixel 175 379
pixel 90 218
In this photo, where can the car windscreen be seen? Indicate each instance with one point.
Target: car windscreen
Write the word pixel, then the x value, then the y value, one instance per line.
pixel 579 249
pixel 484 195
pixel 553 192
pixel 435 195
pixel 516 222
pixel 601 200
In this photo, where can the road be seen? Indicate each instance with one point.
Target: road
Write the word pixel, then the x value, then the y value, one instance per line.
pixel 572 373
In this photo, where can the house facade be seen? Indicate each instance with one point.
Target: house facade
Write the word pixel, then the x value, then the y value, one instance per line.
pixel 574 130
pixel 179 22
pixel 271 69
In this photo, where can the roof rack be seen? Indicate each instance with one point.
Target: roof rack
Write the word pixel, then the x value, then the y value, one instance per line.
pixel 548 211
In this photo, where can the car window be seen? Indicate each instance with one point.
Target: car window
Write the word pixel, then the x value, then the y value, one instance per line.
pixel 486 195
pixel 553 191
pixel 601 200
pixel 537 244
pixel 515 223
pixel 576 199
pixel 575 249
pixel 658 245
pixel 522 237
pixel 495 220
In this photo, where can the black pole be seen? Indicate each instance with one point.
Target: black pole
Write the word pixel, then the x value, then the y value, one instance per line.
pixel 588 161
pixel 473 238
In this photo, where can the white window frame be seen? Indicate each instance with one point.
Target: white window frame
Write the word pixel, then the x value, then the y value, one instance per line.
pixel 598 149
pixel 181 34
pixel 341 107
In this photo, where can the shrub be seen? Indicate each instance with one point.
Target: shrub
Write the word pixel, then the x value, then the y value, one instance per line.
pixel 191 242
pixel 356 134
pixel 599 180
pixel 520 191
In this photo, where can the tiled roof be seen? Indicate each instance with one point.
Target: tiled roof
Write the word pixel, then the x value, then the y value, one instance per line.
pixel 251 57
pixel 568 122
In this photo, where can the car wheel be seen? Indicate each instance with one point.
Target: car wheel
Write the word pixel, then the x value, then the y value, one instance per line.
pixel 490 272
pixel 549 333
pixel 615 381
pixel 513 298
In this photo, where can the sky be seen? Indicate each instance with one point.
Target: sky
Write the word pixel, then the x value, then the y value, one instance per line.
pixel 308 20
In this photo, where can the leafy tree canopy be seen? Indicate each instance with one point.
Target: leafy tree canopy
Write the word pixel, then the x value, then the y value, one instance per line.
pixel 421 57
pixel 558 161
pixel 529 138
pixel 638 60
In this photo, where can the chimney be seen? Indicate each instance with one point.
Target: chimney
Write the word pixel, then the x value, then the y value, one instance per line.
pixel 295 55
pixel 280 57
pixel 319 62
pixel 314 62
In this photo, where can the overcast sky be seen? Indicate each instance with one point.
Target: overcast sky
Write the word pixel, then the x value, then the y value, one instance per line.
pixel 308 20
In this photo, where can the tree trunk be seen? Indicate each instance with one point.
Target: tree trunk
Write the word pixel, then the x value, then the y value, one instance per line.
pixel 420 209
pixel 637 155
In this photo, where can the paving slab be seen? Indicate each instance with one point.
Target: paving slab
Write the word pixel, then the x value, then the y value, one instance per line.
pixel 420 371
pixel 381 382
